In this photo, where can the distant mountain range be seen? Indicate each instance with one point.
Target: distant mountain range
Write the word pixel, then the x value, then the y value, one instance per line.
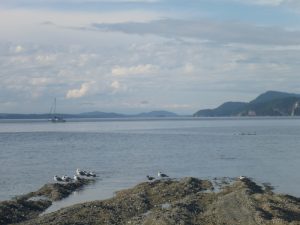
pixel 270 103
pixel 95 114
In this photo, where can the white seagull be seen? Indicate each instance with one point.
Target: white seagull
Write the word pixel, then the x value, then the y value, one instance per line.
pixel 57 178
pixel 162 175
pixel 85 173
pixel 80 172
pixel 77 178
pixel 65 178
pixel 242 177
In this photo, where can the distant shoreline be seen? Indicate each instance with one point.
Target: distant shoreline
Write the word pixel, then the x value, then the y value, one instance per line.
pixel 178 118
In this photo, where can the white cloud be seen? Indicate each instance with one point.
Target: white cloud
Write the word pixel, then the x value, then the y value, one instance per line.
pixel 133 70
pixel 78 93
pixel 150 70
pixel 188 68
pixel 19 59
pixel 134 56
pixel 46 58
pixel 40 81
pixel 115 85
pixel 18 49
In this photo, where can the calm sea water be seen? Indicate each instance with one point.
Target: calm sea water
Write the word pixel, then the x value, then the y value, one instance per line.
pixel 123 152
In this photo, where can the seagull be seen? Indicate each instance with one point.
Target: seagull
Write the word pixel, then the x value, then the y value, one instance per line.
pixel 162 175
pixel 150 178
pixel 57 178
pixel 85 173
pixel 80 172
pixel 242 177
pixel 90 174
pixel 65 178
pixel 77 178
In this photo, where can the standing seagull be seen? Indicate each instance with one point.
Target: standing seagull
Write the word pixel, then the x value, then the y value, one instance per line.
pixel 162 175
pixel 77 178
pixel 65 178
pixel 150 178
pixel 80 172
pixel 57 178
pixel 90 174
pixel 242 177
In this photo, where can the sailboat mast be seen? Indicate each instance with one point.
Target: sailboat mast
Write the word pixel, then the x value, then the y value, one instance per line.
pixel 55 118
pixel 54 110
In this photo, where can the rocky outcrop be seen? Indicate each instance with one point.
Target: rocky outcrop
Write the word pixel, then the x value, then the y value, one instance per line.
pixel 29 206
pixel 185 202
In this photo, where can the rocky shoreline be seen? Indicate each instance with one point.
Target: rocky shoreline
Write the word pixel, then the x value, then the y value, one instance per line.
pixel 31 205
pixel 166 202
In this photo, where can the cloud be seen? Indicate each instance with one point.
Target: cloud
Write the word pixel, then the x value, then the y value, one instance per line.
pixel 20 2
pixel 147 68
pixel 178 106
pixel 273 3
pixel 144 102
pixel 188 68
pixel 19 49
pixel 43 25
pixel 210 31
pixel 46 59
pixel 118 87
pixel 265 2
pixel 115 85
pixel 48 23
pixel 130 55
pixel 134 70
pixel 78 93
pixel 138 104
pixel 78 5
pixel 291 5
pixel 40 81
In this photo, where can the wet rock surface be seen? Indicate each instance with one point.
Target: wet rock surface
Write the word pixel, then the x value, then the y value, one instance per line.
pixel 184 202
pixel 29 206
pixel 18 210
pixel 58 191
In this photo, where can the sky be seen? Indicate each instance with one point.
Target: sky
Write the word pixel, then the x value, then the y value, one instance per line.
pixel 131 56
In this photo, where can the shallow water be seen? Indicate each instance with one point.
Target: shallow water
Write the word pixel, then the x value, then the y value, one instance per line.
pixel 122 152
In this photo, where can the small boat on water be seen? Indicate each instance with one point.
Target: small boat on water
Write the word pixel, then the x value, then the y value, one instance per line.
pixel 57 119
pixel 54 117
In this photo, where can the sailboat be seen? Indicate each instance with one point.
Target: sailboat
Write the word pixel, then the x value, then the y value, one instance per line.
pixel 54 117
